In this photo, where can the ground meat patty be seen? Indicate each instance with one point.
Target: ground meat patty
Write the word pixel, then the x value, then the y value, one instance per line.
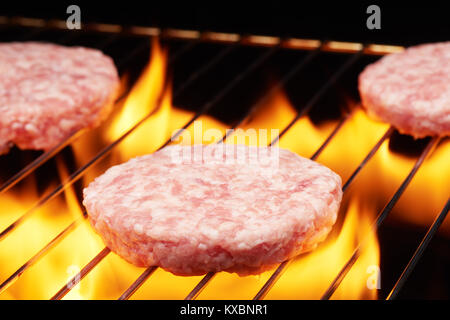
pixel 191 217
pixel 48 92
pixel 411 90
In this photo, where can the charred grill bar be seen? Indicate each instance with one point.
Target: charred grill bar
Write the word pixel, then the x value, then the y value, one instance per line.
pixel 32 28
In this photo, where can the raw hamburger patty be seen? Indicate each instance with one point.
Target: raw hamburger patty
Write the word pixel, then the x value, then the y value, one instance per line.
pixel 48 92
pixel 206 215
pixel 411 90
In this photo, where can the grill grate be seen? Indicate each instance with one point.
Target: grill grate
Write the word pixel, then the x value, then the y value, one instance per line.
pixel 112 33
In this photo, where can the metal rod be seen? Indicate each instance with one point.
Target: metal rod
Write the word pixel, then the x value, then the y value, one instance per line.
pixel 318 94
pixel 80 275
pixel 369 156
pixel 107 42
pixel 146 46
pixel 297 68
pixel 303 62
pixel 203 69
pixel 200 286
pixel 136 51
pixel 44 157
pixel 219 37
pixel 11 279
pixel 272 280
pixel 275 276
pixel 67 230
pixel 149 271
pixel 138 283
pixel 330 137
pixel 209 104
pixel 78 173
pixel 419 252
pixel 196 291
pixel 81 170
pixel 74 176
pixel 31 34
pixel 187 47
pixel 428 150
pixel 381 217
pixel 209 276
pixel 36 163
pixel 100 257
pixel 227 89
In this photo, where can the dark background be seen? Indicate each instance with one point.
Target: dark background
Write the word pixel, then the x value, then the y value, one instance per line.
pixel 402 22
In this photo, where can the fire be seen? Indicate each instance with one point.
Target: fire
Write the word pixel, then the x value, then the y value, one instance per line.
pixel 47 275
pixel 308 276
pixel 379 180
pixel 141 101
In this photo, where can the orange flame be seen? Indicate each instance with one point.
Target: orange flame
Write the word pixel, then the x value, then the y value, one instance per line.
pixel 306 277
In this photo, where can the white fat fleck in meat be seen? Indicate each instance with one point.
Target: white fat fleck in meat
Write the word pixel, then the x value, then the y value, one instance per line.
pixel 50 91
pixel 410 90
pixel 203 216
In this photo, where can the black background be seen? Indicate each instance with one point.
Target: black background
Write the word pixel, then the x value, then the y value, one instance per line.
pixel 276 309
pixel 402 22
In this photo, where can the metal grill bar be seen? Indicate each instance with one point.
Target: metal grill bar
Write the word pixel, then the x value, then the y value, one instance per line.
pixel 277 273
pixel 275 43
pixel 36 163
pixel 32 33
pixel 330 137
pixel 11 279
pixel 369 156
pixel 44 157
pixel 428 150
pixel 76 175
pixel 209 276
pixel 62 187
pixel 419 251
pixel 186 48
pixel 272 280
pixel 221 37
pixel 297 68
pixel 185 85
pixel 138 283
pixel 315 98
pixel 226 90
pixel 203 110
pixel 196 291
pixel 200 286
pixel 381 217
pixel 80 172
pixel 202 70
pixel 80 276
pixel 72 178
pixel 302 63
pixel 136 51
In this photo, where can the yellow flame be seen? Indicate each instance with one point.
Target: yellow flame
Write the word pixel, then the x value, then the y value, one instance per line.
pixel 49 274
pixel 306 277
pixel 142 99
